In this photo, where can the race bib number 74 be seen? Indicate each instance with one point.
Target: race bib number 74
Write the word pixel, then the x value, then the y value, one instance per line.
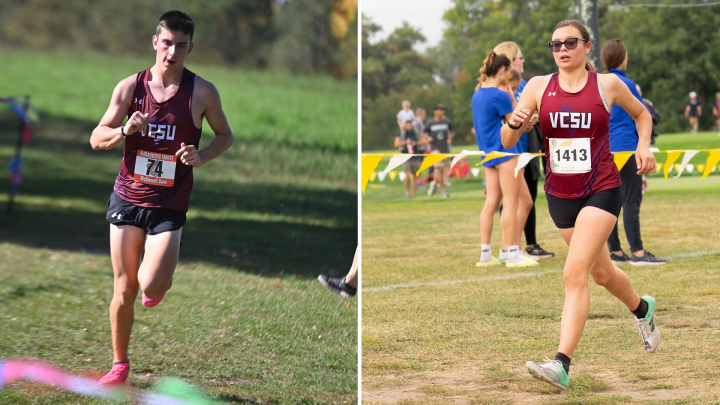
pixel 570 155
pixel 156 169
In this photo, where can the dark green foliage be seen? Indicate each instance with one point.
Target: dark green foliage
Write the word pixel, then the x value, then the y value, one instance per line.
pixel 671 51
pixel 231 32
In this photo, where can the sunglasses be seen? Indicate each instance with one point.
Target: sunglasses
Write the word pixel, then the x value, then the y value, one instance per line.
pixel 570 43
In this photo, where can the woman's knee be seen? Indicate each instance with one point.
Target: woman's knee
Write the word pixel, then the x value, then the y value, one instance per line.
pixel 526 202
pixel 602 276
pixel 574 277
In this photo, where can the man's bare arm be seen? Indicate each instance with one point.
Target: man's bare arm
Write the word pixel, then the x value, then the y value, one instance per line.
pixel 107 134
pixel 215 117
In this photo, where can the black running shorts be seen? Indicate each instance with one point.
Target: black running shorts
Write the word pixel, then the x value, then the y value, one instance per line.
pixel 565 211
pixel 152 220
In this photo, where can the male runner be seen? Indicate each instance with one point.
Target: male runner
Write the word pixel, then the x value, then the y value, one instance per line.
pixel 165 106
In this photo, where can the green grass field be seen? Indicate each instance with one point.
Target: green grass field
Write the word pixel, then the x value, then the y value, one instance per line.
pixel 245 321
pixel 437 330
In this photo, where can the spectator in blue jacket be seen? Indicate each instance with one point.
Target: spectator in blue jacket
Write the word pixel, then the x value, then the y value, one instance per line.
pixel 624 138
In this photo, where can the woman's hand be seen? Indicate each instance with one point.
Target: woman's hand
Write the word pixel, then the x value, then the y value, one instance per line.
pixel 645 161
pixel 518 117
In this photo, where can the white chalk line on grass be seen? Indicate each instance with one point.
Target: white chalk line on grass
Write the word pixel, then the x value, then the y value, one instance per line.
pixel 451 282
pixel 509 276
pixel 693 254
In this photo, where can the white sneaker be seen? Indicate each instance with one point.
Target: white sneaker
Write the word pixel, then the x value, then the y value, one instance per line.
pixel 649 333
pixel 551 372
pixel 431 189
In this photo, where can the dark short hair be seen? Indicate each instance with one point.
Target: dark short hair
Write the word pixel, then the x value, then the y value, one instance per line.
pixel 439 107
pixel 176 20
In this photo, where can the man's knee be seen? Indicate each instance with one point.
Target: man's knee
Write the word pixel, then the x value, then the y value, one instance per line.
pixel 126 290
pixel 155 289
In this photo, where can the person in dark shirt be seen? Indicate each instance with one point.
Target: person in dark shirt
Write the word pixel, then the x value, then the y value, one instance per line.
pixel 408 145
pixel 693 110
pixel 439 133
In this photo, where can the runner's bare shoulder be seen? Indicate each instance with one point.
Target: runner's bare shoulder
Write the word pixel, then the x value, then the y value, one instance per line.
pixel 536 86
pixel 124 90
pixel 204 89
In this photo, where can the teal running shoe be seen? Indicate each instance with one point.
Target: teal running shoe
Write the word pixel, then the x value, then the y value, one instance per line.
pixel 502 255
pixel 649 333
pixel 552 372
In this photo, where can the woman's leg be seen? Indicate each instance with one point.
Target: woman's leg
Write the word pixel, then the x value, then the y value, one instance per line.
pixel 586 247
pixel 510 186
pixel 492 201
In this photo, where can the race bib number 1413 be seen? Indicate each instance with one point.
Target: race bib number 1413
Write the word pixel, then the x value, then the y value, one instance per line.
pixel 156 169
pixel 570 155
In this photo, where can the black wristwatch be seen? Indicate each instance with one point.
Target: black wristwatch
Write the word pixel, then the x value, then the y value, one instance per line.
pixel 512 127
pixel 122 131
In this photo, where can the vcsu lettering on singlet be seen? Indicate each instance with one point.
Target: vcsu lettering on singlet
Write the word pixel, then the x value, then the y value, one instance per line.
pixel 161 131
pixel 577 120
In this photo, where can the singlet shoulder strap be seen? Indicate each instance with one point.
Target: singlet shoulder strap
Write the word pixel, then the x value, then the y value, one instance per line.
pixel 600 90
pixel 188 85
pixel 547 84
pixel 549 79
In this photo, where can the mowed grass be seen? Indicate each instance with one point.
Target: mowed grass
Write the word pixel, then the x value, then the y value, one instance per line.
pixel 275 107
pixel 245 321
pixel 462 334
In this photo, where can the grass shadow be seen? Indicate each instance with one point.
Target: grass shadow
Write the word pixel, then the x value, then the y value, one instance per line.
pixel 264 223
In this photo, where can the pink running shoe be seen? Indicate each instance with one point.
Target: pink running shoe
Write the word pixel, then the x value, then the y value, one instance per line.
pixel 118 374
pixel 147 302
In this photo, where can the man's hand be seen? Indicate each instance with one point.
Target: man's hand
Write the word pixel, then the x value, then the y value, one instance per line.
pixel 189 155
pixel 137 122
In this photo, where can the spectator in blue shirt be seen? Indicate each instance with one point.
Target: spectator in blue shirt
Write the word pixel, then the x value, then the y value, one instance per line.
pixel 529 142
pixel 624 138
pixel 493 103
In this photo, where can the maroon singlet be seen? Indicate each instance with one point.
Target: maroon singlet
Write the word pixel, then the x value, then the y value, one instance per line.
pixel 578 115
pixel 173 122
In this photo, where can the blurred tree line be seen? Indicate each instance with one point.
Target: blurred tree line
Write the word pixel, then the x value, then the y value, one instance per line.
pixel 671 52
pixel 301 36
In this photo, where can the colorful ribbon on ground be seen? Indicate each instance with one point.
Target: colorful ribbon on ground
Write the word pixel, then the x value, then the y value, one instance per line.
pixel 168 391
pixel 371 161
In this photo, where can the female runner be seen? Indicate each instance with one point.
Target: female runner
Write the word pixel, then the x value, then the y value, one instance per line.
pixel 582 183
